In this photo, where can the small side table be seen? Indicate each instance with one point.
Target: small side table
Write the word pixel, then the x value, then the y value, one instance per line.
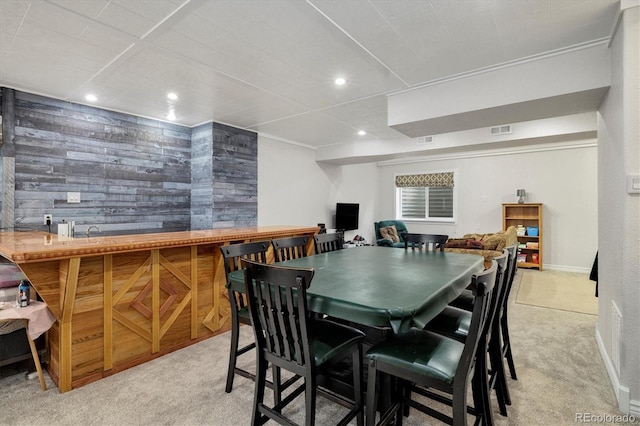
pixel 37 319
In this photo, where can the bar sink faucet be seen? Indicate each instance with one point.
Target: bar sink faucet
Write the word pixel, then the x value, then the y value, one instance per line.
pixel 90 228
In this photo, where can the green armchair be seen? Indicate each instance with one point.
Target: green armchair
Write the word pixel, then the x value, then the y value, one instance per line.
pixel 387 242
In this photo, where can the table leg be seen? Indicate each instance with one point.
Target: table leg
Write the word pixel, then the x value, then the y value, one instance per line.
pixel 36 361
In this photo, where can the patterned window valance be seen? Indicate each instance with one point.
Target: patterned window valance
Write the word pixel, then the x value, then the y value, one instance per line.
pixel 430 180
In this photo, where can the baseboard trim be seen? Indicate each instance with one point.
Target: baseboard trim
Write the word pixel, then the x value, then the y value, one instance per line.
pixel 625 405
pixel 562 268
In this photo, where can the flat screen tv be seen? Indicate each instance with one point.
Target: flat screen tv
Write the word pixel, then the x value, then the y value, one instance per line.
pixel 347 216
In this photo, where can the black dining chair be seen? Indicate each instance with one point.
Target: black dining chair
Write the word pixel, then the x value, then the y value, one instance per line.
pixel 422 360
pixel 428 242
pixel 465 301
pixel 454 323
pixel 232 255
pixel 328 242
pixel 496 347
pixel 289 248
pixel 289 338
pixel 504 317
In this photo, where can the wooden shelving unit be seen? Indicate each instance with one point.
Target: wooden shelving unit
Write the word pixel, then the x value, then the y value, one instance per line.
pixel 527 215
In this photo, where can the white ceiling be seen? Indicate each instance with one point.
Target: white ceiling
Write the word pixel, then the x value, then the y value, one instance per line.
pixel 269 65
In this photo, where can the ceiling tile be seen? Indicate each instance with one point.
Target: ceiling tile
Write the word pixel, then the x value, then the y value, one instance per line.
pixel 152 10
pixel 90 9
pixel 369 115
pixel 150 73
pixel 125 20
pixel 269 65
pixel 56 20
pixel 314 129
pixel 289 48
pixel 11 15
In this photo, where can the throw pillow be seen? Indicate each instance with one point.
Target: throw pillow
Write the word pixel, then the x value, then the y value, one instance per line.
pixel 494 242
pixel 390 232
pixel 463 243
pixel 456 243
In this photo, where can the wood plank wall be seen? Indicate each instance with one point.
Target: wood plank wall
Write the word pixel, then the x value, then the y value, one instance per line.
pixel 201 177
pixel 7 165
pixel 235 177
pixel 134 174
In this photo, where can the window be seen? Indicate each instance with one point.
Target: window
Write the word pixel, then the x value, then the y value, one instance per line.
pixel 425 197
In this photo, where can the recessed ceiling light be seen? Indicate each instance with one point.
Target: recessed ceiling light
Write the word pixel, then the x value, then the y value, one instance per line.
pixel 91 97
pixel 340 81
pixel 362 132
pixel 172 96
pixel 172 115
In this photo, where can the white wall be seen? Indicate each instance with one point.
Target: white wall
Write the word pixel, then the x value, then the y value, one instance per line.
pixel 618 329
pixel 564 180
pixel 293 189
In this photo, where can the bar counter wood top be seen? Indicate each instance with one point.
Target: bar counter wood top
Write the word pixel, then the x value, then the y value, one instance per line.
pixel 123 300
pixel 33 246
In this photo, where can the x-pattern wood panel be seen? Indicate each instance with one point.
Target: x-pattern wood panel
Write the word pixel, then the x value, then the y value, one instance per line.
pixel 138 302
pixel 157 281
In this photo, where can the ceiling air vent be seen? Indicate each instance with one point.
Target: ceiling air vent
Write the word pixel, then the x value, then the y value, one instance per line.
pixel 424 140
pixel 500 130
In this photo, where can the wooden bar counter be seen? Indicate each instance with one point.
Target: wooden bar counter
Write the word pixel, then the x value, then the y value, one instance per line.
pixel 123 300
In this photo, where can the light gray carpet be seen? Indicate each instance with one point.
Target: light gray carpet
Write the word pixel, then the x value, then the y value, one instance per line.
pixel 567 291
pixel 560 374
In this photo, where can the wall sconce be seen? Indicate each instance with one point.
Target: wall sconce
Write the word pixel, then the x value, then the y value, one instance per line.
pixel 521 193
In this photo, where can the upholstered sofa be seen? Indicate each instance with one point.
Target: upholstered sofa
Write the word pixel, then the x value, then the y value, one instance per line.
pixel 486 245
pixel 389 233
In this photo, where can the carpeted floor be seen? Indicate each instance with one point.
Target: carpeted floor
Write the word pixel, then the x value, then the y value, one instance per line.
pixel 566 291
pixel 560 376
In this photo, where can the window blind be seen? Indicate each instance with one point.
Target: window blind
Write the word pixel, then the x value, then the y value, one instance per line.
pixel 413 203
pixel 440 202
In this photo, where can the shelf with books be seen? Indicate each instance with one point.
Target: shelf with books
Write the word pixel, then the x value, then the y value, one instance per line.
pixel 527 218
